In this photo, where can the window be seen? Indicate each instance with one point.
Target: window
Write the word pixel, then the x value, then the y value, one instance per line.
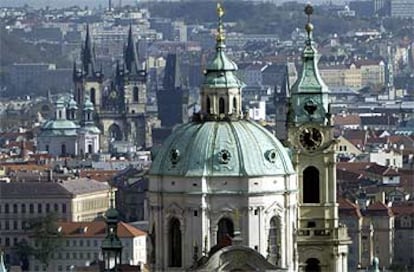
pixel 6 208
pixel 56 207
pixel 23 208
pixel 274 241
pixel 174 243
pixel 136 94
pixel 93 95
pixel 39 208
pixel 225 231
pixel 63 149
pixel 63 208
pixel 14 208
pixel 47 207
pixel 312 265
pixel 31 208
pixel 221 106
pixel 311 185
pixel 15 225
pixel 6 225
pixel 208 105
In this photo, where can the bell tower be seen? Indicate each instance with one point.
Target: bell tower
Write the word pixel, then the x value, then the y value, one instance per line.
pixel 322 244
pixel 88 79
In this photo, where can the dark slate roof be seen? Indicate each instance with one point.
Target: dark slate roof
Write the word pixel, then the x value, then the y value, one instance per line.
pixel 46 189
pixel 84 186
pixel 32 189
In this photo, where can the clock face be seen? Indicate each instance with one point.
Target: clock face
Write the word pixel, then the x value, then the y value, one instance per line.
pixel 310 138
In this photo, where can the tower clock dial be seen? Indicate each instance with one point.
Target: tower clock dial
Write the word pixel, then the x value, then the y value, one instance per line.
pixel 310 138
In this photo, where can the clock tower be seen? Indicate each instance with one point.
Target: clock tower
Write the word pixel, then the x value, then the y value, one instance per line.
pixel 322 244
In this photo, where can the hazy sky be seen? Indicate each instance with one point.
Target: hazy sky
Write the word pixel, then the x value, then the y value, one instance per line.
pixel 104 3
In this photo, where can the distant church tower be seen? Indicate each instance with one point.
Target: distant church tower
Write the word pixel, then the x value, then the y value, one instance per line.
pixel 119 104
pixel 88 79
pixel 322 243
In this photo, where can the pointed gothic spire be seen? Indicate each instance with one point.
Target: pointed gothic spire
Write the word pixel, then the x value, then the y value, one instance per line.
pixel 130 54
pixel 88 54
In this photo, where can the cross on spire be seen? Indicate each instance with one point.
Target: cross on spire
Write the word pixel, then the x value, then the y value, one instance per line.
pixel 220 29
pixel 309 27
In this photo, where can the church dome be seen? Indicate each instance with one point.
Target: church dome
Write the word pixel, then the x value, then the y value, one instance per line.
pixel 240 148
pixel 59 128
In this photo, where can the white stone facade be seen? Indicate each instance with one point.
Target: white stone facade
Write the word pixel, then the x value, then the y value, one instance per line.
pixel 200 203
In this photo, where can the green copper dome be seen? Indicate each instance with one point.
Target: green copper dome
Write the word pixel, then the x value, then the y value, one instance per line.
pixel 59 128
pixel 88 105
pixel 238 148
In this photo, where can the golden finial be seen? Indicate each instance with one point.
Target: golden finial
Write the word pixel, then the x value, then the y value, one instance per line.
pixel 220 29
pixel 309 11
pixel 220 10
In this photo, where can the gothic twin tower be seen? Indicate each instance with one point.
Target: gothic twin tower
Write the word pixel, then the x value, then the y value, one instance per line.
pixel 120 103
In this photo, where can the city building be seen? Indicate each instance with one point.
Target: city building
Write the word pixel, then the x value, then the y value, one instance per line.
pixel 71 201
pixel 312 143
pixel 81 242
pixel 120 103
pixel 402 8
pixel 219 175
pixel 222 186
pixel 66 135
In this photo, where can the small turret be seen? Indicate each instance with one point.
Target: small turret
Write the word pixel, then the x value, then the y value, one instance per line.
pixel 221 89
pixel 112 245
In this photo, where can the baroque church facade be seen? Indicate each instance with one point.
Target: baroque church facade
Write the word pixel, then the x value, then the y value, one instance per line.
pixel 67 134
pixel 120 101
pixel 226 195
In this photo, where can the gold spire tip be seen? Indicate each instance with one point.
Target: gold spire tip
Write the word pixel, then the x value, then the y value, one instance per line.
pixel 220 10
pixel 220 29
pixel 309 11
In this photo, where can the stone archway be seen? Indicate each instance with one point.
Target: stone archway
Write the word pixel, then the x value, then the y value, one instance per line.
pixel 312 265
pixel 115 133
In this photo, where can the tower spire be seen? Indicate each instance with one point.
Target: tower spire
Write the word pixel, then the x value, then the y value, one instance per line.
pixel 88 57
pixel 221 94
pixel 220 38
pixel 309 94
pixel 309 26
pixel 130 54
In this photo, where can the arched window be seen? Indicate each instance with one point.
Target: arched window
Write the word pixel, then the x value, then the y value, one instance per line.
pixel 174 243
pixel 221 105
pixel 208 105
pixel 115 133
pixel 135 94
pixel 225 231
pixel 234 104
pixel 274 241
pixel 93 95
pixel 311 185
pixel 63 149
pixel 312 265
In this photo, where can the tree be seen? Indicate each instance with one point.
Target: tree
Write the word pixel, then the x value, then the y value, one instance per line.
pixel 46 239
